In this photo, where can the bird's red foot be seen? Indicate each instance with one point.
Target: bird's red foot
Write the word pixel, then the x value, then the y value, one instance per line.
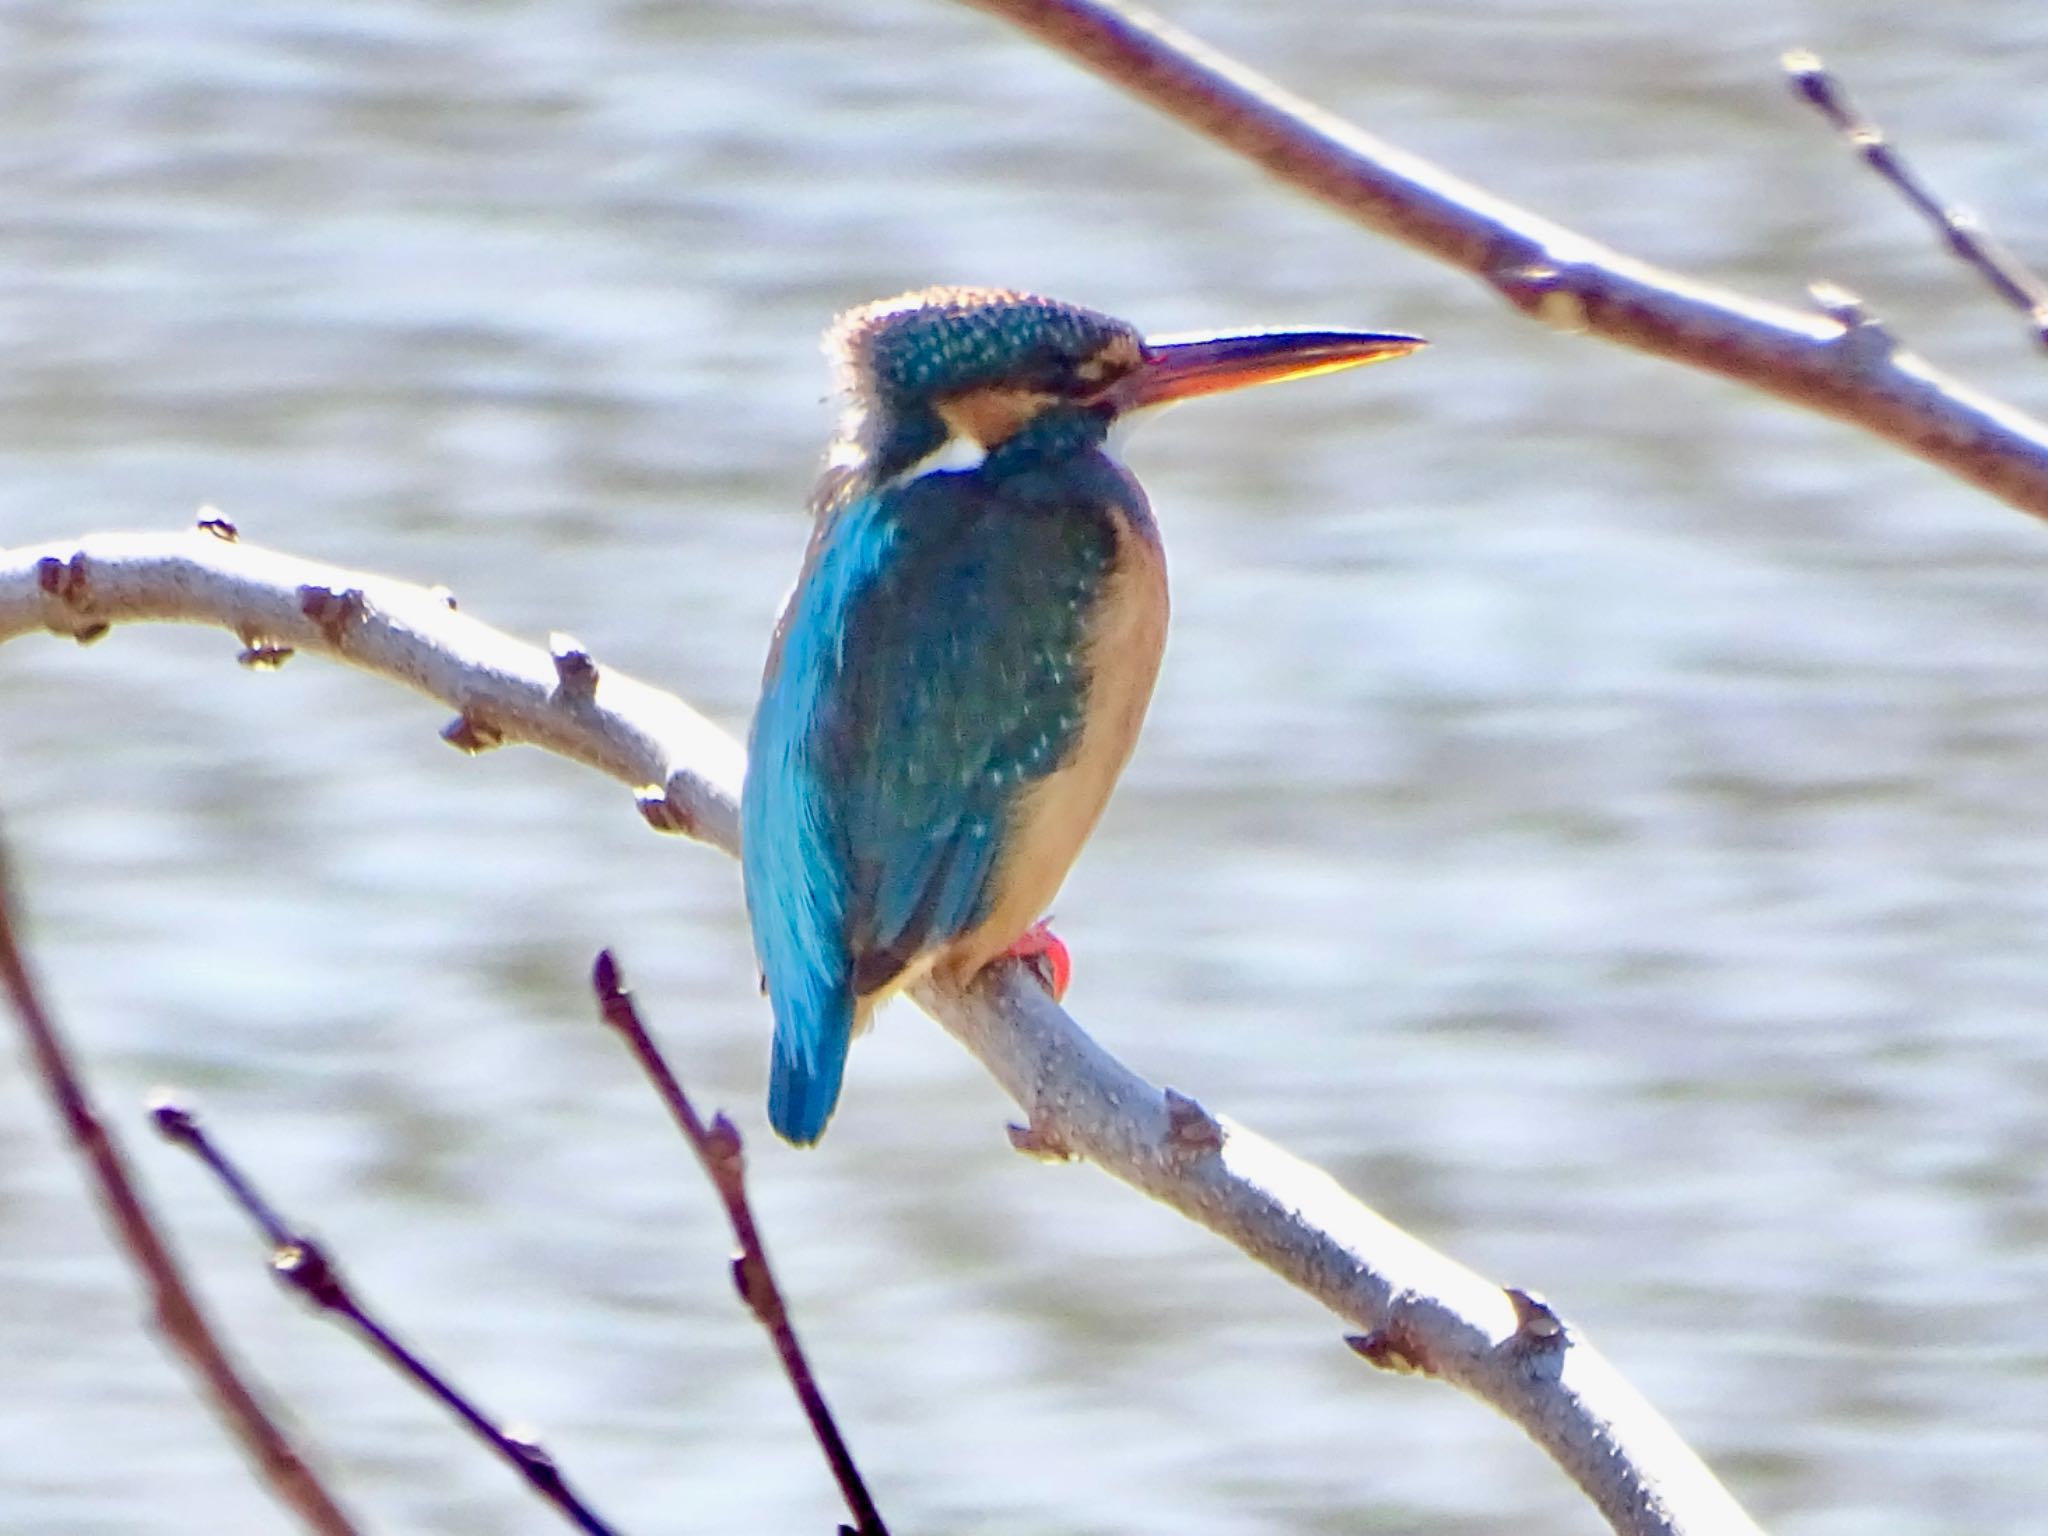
pixel 1046 954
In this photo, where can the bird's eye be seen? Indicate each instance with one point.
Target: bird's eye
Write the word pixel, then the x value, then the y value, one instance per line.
pixel 1090 376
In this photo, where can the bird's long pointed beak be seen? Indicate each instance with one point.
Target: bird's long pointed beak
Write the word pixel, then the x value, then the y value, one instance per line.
pixel 1182 367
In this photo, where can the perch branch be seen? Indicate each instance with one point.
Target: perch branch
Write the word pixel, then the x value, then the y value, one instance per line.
pixel 1546 271
pixel 1411 1307
pixel 718 1149
pixel 302 1264
pixel 680 764
pixel 1966 240
pixel 179 1317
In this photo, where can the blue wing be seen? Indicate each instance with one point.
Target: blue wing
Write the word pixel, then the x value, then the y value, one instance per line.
pixel 792 843
pixel 930 670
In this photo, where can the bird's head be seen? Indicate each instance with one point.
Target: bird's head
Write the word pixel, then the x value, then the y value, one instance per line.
pixel 962 372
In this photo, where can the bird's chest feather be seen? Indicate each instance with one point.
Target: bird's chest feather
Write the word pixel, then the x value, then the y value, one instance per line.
pixel 958 681
pixel 968 654
pixel 1120 648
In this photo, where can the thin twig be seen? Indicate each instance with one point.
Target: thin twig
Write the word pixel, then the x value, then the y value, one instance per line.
pixel 179 1317
pixel 302 1265
pixel 2009 277
pixel 1546 271
pixel 1409 1302
pixel 718 1148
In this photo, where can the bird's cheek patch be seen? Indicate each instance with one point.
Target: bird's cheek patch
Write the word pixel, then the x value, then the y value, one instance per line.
pixel 992 414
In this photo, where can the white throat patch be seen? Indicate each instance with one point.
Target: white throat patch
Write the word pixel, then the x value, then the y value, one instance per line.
pixel 1120 429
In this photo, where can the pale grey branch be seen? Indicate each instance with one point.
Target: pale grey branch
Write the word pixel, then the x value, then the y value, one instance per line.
pixel 1548 272
pixel 1412 1307
pixel 686 770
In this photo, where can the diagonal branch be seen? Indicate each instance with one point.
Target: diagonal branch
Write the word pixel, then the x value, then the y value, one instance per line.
pixel 303 1264
pixel 1411 1307
pixel 1848 371
pixel 179 1317
pixel 723 1158
pixel 1965 238
pixel 686 769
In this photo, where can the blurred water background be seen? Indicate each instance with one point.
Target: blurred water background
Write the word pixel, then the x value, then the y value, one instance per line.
pixel 1600 815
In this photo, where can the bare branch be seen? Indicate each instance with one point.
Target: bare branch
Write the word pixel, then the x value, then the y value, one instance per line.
pixel 718 1149
pixel 179 1317
pixel 1413 1307
pixel 1547 271
pixel 302 1264
pixel 680 765
pixel 1966 240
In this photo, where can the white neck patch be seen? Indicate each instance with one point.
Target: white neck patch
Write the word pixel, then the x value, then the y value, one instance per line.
pixel 955 454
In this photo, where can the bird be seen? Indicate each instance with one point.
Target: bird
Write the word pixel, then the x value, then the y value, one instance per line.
pixel 959 675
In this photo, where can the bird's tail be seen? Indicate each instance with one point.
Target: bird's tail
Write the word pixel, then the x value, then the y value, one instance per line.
pixel 809 1063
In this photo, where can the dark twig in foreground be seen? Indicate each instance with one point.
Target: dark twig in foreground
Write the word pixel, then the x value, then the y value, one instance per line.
pixel 717 1146
pixel 303 1265
pixel 178 1314
pixel 2008 276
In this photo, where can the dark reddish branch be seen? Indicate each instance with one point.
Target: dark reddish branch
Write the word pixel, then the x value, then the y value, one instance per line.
pixel 302 1264
pixel 178 1314
pixel 1545 270
pixel 717 1145
pixel 2008 276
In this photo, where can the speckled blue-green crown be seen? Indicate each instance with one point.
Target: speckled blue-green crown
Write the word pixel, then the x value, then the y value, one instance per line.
pixel 941 340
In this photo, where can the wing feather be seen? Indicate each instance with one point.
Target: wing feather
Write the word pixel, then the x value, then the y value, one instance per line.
pixel 929 670
pixel 961 688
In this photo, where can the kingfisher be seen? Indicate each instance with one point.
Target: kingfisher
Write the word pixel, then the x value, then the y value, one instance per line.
pixel 960 673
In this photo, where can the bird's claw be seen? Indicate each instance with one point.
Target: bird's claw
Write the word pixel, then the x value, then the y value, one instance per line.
pixel 1045 955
